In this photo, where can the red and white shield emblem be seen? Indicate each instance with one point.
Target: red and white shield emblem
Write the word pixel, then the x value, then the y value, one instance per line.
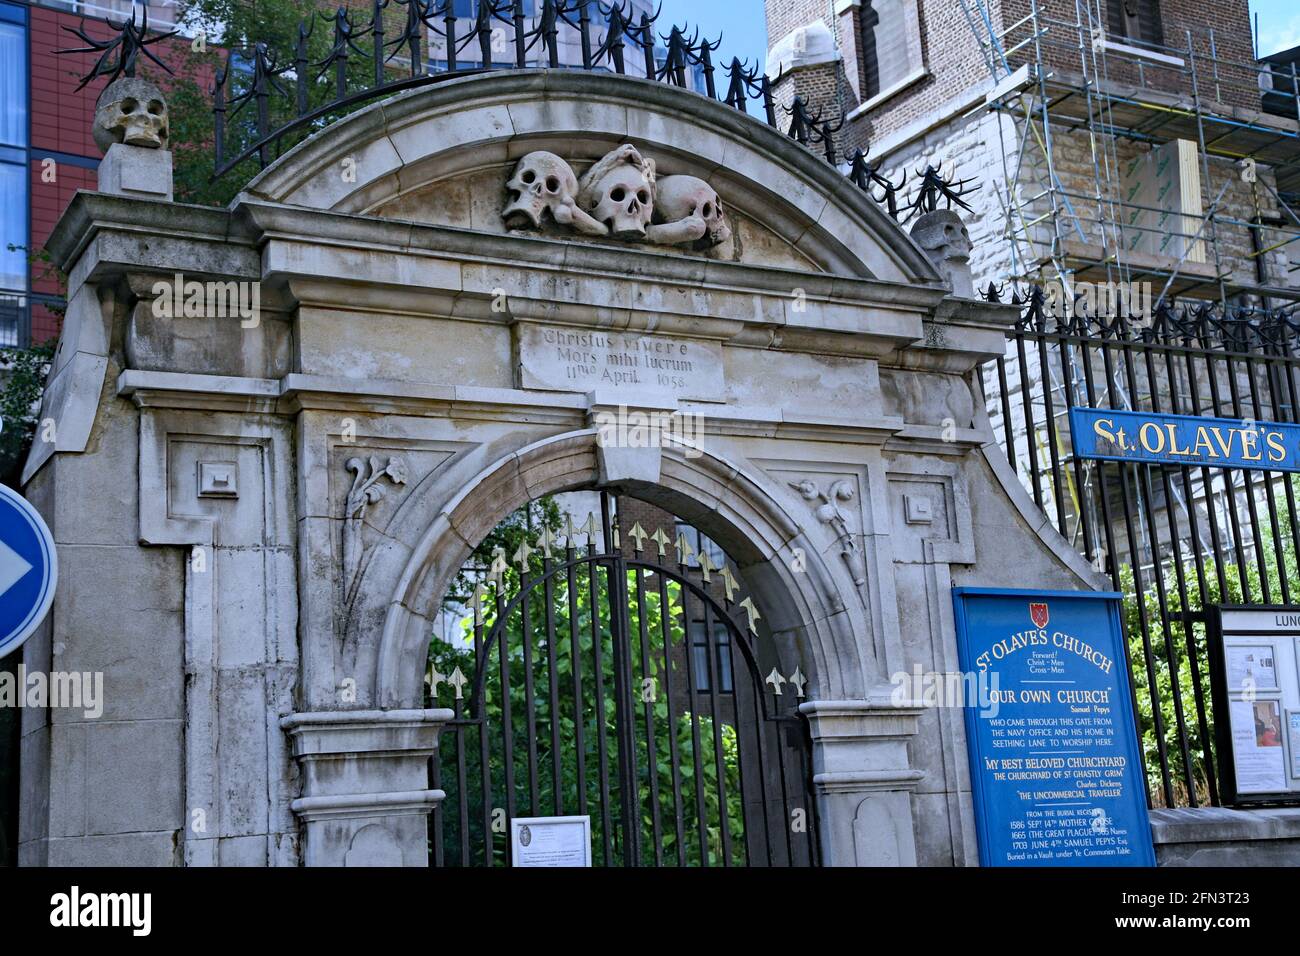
pixel 1038 614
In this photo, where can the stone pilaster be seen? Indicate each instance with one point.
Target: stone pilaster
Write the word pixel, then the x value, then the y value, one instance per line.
pixel 365 795
pixel 863 781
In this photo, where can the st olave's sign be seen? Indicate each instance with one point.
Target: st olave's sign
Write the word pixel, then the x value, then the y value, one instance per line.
pixel 1153 438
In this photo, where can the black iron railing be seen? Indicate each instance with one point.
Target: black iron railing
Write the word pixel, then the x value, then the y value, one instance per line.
pixel 265 98
pixel 601 682
pixel 1171 538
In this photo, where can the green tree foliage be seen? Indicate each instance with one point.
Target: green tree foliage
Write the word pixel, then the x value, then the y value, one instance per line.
pixel 237 25
pixel 1242 584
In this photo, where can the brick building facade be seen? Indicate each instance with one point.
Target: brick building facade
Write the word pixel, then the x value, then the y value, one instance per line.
pixel 49 134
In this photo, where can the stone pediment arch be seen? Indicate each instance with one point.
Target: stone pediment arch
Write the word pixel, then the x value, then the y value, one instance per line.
pixel 441 155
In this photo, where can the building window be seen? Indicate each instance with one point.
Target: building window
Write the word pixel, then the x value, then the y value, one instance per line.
pixel 890 50
pixel 13 171
pixel 1136 20
pixel 701 677
pixel 469 8
pixel 700 544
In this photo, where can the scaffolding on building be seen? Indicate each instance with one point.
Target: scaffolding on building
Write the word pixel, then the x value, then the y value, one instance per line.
pixel 1059 77
pixel 1219 333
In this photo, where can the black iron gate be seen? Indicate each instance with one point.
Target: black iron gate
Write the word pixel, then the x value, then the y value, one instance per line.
pixel 619 678
pixel 1173 539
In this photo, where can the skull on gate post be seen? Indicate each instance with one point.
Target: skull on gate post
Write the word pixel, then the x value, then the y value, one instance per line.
pixel 131 111
pixel 947 242
pixel 619 191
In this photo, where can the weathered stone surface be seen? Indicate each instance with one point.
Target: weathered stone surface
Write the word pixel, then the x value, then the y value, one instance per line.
pixel 404 323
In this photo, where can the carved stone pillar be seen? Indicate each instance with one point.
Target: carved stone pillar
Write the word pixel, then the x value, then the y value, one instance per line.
pixel 365 796
pixel 863 781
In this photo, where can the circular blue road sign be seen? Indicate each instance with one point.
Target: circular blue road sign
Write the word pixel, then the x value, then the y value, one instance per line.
pixel 29 569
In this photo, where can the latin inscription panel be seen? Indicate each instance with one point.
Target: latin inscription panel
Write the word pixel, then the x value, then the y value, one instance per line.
pixel 585 360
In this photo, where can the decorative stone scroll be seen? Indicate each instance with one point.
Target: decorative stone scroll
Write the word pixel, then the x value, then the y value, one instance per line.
pixel 366 490
pixel 825 505
pixel 620 196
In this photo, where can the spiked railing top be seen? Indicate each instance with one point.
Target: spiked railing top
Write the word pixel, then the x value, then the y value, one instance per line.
pixel 128 44
pixel 1203 325
pixel 608 35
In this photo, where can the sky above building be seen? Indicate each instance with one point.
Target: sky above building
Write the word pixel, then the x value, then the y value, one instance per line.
pixel 1279 24
pixel 741 23
pixel 745 32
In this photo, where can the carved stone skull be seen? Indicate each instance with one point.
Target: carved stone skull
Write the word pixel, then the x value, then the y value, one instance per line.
pixel 619 191
pixel 690 211
pixel 541 181
pixel 947 242
pixel 131 111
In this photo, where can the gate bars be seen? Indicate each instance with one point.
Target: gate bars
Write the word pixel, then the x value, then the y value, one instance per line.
pixel 1171 538
pixel 598 682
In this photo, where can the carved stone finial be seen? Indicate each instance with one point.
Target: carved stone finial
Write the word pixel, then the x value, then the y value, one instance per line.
pixel 946 241
pixel 131 111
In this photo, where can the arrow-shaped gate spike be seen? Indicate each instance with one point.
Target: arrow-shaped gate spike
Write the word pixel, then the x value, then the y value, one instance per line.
pixel 776 680
pixel 729 583
pixel 752 611
pixel 589 528
pixel 522 553
pixel 476 602
pixel 798 681
pixel 435 680
pixel 706 566
pixel 458 680
pixel 638 535
pixel 498 570
pixel 548 541
pixel 684 550
pixel 662 540
pixel 570 532
pixel 614 534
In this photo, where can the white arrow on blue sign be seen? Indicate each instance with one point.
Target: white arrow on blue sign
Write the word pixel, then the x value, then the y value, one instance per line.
pixel 29 570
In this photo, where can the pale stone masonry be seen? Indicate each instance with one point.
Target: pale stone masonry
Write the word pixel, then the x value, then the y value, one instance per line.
pixel 263 625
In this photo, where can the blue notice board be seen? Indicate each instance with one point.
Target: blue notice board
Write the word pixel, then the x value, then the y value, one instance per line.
pixel 1056 772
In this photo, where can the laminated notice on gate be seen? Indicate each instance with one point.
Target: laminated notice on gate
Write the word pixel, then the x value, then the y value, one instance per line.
pixel 550 841
pixel 589 360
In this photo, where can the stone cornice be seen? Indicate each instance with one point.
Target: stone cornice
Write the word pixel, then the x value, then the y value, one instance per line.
pixel 297 392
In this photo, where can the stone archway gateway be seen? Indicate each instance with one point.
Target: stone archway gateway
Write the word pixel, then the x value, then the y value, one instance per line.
pixel 623 674
pixel 465 303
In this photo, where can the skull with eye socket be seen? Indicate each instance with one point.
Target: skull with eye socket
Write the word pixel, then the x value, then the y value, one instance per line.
pixel 543 181
pixel 619 191
pixel 947 243
pixel 131 111
pixel 688 210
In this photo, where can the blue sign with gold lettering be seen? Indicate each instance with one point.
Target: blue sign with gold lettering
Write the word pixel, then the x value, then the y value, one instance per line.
pixel 1056 772
pixel 1149 437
